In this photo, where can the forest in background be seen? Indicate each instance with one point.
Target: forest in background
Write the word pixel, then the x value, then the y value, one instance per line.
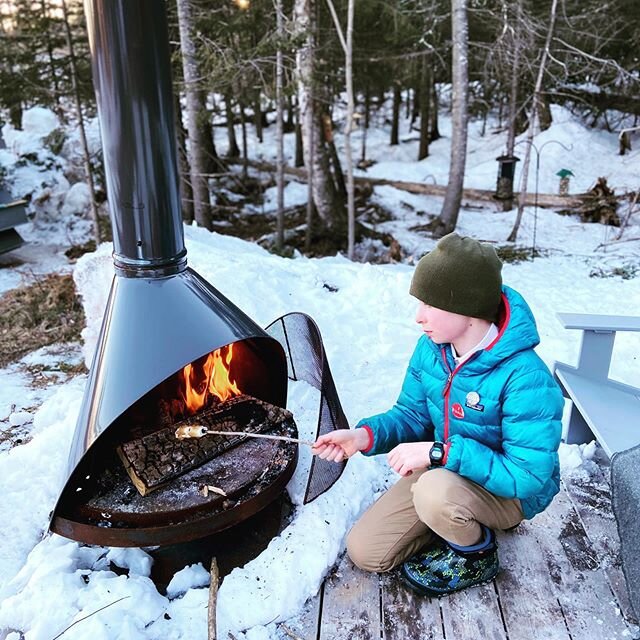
pixel 319 67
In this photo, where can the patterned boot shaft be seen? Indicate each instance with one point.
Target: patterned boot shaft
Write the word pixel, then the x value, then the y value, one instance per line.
pixel 441 570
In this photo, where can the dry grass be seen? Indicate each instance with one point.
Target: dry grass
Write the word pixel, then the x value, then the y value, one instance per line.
pixel 37 315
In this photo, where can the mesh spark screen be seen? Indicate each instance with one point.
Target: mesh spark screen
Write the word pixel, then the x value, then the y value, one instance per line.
pixel 307 360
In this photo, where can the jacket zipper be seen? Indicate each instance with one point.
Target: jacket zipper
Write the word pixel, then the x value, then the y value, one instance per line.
pixel 445 393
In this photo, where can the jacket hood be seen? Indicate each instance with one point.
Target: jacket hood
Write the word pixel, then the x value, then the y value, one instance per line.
pixel 517 332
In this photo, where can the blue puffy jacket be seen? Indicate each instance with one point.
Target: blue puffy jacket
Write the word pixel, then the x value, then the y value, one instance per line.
pixel 498 413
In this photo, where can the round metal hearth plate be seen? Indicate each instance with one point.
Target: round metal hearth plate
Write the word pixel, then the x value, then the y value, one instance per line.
pixel 252 475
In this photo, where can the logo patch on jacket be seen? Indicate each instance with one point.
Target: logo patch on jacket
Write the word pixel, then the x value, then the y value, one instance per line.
pixel 472 401
pixel 457 410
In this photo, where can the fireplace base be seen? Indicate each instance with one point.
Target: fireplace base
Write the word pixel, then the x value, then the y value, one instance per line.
pixel 252 475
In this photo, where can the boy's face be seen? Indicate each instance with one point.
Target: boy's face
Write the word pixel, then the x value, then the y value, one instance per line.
pixel 441 326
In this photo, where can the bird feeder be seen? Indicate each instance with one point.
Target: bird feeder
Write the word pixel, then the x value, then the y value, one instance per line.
pixel 565 175
pixel 506 173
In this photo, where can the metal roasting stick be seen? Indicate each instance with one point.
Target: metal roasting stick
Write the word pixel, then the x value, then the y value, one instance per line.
pixel 198 432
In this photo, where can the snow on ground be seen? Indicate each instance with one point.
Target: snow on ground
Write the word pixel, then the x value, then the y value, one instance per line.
pixel 366 319
pixel 42 162
pixel 27 383
pixel 568 144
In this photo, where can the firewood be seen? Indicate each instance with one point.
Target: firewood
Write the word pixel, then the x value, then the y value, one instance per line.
pixel 154 459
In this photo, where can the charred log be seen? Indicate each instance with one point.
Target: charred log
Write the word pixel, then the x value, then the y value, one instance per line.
pixel 157 458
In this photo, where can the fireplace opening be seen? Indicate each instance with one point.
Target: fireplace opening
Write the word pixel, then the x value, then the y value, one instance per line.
pixel 139 484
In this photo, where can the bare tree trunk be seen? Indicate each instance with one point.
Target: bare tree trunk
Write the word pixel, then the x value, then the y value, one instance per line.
pixel 507 203
pixel 367 106
pixel 545 119
pixel 415 104
pixel 186 194
pixel 395 115
pixel 83 137
pixel 245 156
pixel 213 163
pixel 328 205
pixel 233 151
pixel 363 147
pixel 52 63
pixel 257 118
pixel 347 45
pixel 351 206
pixel 299 161
pixel 533 124
pixel 515 70
pixel 425 100
pixel 289 124
pixel 196 154
pixel 433 126
pixel 446 223
pixel 336 168
pixel 280 129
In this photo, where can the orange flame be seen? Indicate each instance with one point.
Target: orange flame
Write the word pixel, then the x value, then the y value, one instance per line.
pixel 212 380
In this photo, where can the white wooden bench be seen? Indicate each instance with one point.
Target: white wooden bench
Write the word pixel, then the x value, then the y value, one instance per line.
pixel 601 407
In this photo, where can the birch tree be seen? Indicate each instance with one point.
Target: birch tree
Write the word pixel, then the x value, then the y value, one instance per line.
pixel 327 200
pixel 513 89
pixel 83 137
pixel 448 218
pixel 279 127
pixel 196 145
pixel 347 45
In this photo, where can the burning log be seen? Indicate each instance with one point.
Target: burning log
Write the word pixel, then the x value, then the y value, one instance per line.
pixel 157 458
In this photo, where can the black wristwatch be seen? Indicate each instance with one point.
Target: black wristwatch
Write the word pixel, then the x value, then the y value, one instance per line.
pixel 436 455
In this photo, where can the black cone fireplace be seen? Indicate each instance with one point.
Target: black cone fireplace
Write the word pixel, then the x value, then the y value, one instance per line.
pixel 172 349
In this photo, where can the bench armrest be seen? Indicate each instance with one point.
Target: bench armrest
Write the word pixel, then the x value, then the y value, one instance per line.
pixel 599 322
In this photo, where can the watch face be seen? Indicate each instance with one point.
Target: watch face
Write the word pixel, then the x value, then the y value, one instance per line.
pixel 436 454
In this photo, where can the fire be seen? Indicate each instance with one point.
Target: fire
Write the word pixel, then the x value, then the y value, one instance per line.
pixel 211 379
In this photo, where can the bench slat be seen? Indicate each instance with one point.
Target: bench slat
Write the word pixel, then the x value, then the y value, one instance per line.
pixel 599 322
pixel 611 410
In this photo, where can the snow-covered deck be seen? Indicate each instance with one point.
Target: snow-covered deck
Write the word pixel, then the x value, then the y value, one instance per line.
pixel 560 579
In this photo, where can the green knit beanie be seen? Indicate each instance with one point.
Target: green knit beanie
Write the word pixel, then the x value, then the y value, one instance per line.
pixel 460 275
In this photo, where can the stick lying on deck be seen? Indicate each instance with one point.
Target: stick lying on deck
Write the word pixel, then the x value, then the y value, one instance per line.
pixel 199 431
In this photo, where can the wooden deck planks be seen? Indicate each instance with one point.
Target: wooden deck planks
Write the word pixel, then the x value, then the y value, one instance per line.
pixel 351 604
pixel 525 588
pixel 474 613
pixel 555 584
pixel 592 499
pixel 580 583
pixel 305 625
pixel 406 615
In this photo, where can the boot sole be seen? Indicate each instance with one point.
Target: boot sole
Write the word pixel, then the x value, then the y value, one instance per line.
pixel 432 593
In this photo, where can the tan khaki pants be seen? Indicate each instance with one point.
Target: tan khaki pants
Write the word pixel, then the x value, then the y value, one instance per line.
pixel 418 506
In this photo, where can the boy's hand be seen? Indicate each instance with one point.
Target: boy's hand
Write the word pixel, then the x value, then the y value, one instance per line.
pixel 409 457
pixel 340 444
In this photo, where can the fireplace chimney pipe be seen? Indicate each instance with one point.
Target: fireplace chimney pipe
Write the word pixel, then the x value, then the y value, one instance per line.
pixel 161 314
pixel 132 79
